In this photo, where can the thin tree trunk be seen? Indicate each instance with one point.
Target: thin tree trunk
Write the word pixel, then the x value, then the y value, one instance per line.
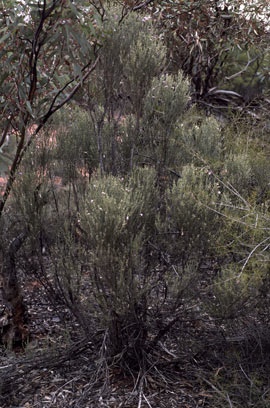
pixel 13 330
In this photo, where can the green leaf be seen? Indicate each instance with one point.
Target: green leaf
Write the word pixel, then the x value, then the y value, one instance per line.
pixel 4 38
pixel 73 9
pixel 29 108
pixel 78 71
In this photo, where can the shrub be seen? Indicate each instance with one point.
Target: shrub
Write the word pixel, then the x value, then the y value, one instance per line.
pixel 75 147
pixel 131 57
pixel 238 171
pixel 116 221
pixel 191 224
pixel 203 140
pixel 163 106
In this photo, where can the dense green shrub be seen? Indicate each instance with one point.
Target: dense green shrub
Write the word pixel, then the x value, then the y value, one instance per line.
pixel 75 145
pixel 237 169
pixel 159 213
pixel 116 219
pixel 131 57
pixel 234 293
pixel 190 227
pixel 163 106
pixel 31 195
pixel 204 140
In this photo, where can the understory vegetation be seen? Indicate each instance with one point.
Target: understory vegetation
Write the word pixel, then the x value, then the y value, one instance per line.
pixel 145 225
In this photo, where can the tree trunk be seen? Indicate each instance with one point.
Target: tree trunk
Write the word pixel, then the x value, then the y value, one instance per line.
pixel 13 320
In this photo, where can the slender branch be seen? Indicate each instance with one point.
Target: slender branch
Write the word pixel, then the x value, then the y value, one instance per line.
pixel 52 108
pixel 242 70
pixel 4 135
pixel 51 111
pixel 13 169
pixel 142 5
pixel 34 55
pixel 250 255
pixel 21 149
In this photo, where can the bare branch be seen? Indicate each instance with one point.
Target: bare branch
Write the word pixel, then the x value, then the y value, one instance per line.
pixel 242 70
pixel 53 108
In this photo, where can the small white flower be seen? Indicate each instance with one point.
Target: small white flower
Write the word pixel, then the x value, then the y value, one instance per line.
pixel 146 18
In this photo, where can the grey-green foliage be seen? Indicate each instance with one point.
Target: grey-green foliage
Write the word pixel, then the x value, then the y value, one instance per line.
pixel 238 172
pixel 254 80
pixel 145 61
pixel 191 222
pixel 139 113
pixel 131 57
pixel 7 151
pixel 261 169
pixel 235 291
pixel 116 218
pixel 76 147
pixel 165 102
pixel 200 140
pixel 248 176
pixel 29 209
pixel 34 85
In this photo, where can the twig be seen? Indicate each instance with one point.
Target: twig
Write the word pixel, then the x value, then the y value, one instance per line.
pixel 250 255
pixel 242 70
pixel 225 396
pixel 140 400
pixel 60 388
pixel 146 400
pixel 53 108
pixel 142 5
pixel 165 349
pixel 247 377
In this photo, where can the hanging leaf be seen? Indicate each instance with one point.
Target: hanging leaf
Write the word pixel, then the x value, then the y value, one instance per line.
pixel 7 152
